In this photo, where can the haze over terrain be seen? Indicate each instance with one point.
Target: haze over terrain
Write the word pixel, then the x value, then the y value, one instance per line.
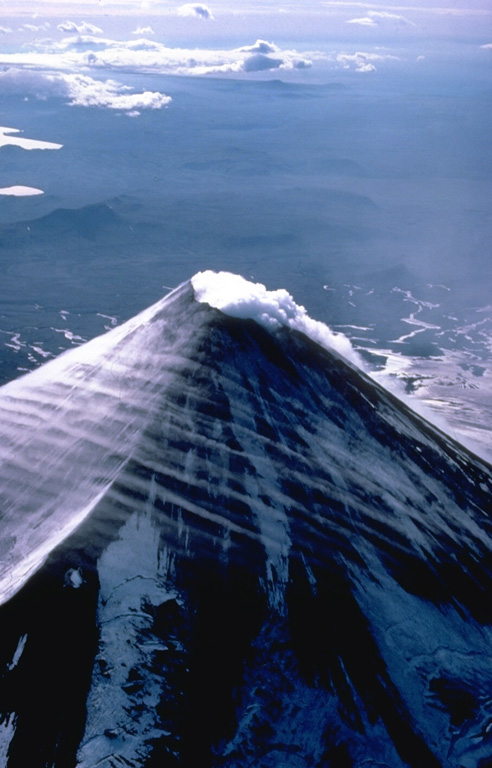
pixel 339 150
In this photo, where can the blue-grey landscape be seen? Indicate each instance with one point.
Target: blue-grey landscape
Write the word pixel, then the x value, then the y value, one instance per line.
pixel 195 468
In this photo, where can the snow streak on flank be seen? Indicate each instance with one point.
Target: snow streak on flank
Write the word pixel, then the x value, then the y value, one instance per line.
pixel 17 141
pixel 237 297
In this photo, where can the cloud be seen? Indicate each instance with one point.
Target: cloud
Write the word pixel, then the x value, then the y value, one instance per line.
pixel 362 62
pixel 261 46
pixel 259 62
pixel 143 31
pixel 302 64
pixel 195 9
pixel 5 30
pixel 80 29
pixel 363 22
pixel 81 53
pixel 395 18
pixel 376 18
pixel 86 92
pixel 36 27
pixel 81 90
pixel 487 47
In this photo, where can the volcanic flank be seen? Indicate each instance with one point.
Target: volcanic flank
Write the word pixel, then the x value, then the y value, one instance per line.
pixel 224 545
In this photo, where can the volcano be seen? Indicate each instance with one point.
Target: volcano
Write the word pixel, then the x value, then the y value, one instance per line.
pixel 224 545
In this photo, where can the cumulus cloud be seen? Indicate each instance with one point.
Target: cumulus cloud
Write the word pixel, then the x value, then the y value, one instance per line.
pixel 143 31
pixel 79 29
pixel 362 62
pixel 195 9
pixel 81 90
pixel 86 92
pixel 302 64
pixel 259 63
pixel 261 46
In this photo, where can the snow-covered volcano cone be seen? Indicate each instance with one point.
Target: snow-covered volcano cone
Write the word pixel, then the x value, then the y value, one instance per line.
pixel 224 545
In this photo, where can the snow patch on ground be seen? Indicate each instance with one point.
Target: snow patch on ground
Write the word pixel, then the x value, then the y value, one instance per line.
pixel 237 297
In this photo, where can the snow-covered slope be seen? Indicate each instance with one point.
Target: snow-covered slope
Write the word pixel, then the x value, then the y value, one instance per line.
pixel 224 545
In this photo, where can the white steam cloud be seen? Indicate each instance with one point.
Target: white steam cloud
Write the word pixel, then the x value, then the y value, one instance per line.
pixel 237 297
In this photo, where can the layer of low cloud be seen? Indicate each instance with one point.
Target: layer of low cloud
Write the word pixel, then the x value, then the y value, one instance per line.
pixel 195 9
pixel 93 53
pixel 81 90
pixel 79 53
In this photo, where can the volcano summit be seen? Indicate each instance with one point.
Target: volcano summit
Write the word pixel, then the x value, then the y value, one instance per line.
pixel 224 545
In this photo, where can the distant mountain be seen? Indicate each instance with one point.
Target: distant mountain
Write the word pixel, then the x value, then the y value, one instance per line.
pixel 87 222
pixel 224 545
